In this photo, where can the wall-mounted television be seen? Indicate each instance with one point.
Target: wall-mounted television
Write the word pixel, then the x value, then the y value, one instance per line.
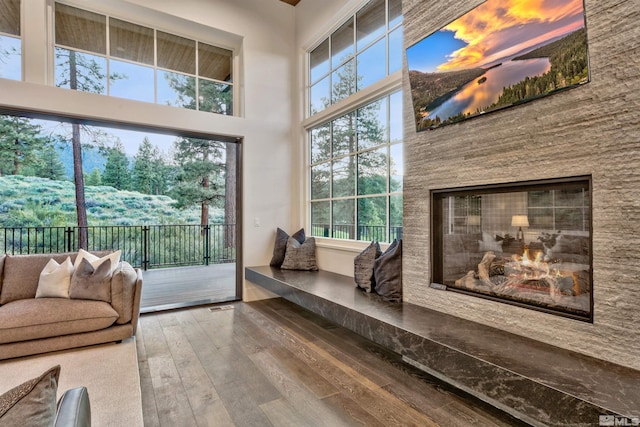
pixel 501 53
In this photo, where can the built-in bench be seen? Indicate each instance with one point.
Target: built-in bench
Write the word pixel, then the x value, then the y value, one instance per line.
pixel 535 382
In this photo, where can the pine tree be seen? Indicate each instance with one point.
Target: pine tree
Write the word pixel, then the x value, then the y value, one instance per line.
pixel 80 72
pixel 144 173
pixel 200 179
pixel 20 143
pixel 94 178
pixel 116 171
pixel 49 164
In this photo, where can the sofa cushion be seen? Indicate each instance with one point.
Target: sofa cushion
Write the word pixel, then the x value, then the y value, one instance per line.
pixel 55 279
pixel 29 319
pixel 89 282
pixel 122 291
pixel 33 400
pixel 22 273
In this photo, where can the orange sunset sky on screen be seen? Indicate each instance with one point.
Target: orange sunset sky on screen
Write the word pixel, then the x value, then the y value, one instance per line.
pixel 485 29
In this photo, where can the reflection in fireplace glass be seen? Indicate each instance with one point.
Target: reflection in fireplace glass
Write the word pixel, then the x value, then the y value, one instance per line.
pixel 527 244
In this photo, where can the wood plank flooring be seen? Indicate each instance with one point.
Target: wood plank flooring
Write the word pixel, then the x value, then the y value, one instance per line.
pixel 272 363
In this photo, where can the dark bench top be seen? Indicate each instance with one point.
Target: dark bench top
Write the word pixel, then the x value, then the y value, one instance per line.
pixel 536 382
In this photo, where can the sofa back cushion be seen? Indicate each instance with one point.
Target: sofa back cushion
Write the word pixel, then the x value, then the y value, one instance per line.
pixel 22 272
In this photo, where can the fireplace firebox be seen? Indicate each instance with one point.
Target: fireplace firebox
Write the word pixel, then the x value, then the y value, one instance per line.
pixel 526 243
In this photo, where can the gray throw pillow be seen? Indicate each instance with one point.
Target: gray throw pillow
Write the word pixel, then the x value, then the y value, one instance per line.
pixel 91 283
pixel 363 266
pixel 300 256
pixel 280 246
pixel 387 273
pixel 31 403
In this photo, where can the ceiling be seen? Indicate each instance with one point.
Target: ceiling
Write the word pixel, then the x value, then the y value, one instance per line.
pixel 291 2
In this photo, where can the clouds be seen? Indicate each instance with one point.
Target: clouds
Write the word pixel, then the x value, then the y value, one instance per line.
pixel 501 28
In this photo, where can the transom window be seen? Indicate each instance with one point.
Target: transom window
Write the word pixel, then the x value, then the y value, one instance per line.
pixel 10 40
pixel 101 54
pixel 356 173
pixel 365 49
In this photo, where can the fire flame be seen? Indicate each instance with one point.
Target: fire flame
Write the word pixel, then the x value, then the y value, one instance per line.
pixel 534 268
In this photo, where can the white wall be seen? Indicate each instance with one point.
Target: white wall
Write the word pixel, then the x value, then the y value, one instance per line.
pixel 265 32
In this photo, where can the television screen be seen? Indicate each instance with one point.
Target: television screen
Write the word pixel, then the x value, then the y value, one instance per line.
pixel 501 53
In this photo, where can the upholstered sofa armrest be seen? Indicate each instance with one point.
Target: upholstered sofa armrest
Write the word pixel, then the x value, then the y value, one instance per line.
pixel 126 288
pixel 74 409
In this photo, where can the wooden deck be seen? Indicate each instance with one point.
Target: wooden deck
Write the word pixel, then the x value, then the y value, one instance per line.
pixel 169 288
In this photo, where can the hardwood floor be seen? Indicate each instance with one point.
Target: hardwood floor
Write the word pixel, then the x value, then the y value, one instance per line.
pixel 272 363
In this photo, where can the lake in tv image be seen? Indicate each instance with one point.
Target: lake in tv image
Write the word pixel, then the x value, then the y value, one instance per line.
pixel 501 53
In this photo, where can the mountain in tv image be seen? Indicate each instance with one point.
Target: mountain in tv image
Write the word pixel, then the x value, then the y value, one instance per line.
pixel 499 54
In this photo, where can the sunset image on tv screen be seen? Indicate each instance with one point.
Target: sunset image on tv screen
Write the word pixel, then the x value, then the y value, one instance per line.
pixel 501 53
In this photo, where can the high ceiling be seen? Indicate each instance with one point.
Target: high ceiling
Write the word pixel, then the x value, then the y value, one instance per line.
pixel 291 2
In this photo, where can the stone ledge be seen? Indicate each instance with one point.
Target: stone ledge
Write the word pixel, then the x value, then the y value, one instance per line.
pixel 535 382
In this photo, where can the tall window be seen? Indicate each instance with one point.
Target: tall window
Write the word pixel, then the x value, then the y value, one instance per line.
pixel 365 49
pixel 356 173
pixel 355 165
pixel 10 41
pixel 101 54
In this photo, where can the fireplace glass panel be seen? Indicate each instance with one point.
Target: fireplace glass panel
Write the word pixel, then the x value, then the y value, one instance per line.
pixel 527 244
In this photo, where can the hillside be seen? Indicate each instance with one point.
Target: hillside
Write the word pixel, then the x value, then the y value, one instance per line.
pixel 32 202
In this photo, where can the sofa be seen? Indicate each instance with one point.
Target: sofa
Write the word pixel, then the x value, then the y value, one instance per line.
pixel 30 325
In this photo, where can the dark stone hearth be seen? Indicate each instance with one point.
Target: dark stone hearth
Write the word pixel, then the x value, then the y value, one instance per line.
pixel 535 382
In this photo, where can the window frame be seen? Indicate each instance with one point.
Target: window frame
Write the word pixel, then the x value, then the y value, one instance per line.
pixel 233 83
pixel 385 87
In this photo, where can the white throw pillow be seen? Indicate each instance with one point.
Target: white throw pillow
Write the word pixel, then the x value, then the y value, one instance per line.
pixel 96 261
pixel 55 279
pixel 485 246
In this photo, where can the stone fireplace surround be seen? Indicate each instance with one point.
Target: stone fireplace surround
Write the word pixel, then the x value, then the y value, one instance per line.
pixel 592 130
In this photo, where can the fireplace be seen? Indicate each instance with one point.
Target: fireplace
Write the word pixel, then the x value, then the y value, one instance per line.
pixel 526 243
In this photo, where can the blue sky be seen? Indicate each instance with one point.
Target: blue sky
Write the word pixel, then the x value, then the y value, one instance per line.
pixel 432 51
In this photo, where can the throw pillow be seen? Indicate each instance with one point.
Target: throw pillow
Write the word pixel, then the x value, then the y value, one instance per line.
pixel 363 266
pixel 96 261
pixel 485 246
pixel 387 273
pixel 300 256
pixel 33 400
pixel 280 246
pixel 55 279
pixel 89 282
